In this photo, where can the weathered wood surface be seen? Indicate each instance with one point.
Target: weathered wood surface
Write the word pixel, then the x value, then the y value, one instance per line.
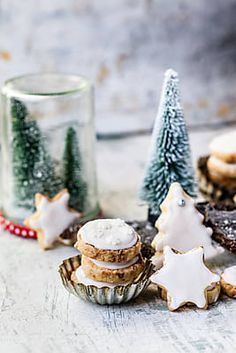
pixel 38 315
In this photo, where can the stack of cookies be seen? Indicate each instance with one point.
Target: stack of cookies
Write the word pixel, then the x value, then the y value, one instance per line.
pixel 221 164
pixel 110 251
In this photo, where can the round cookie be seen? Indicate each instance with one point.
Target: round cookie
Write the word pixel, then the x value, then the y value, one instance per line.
pixel 223 181
pixel 111 272
pixel 79 276
pixel 216 165
pixel 211 186
pixel 228 281
pixel 108 240
pixel 224 147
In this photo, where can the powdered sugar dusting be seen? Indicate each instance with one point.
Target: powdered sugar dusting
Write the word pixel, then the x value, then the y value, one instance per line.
pixel 113 234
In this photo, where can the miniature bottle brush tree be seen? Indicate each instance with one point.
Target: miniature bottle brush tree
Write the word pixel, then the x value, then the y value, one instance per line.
pixel 170 157
pixel 33 168
pixel 71 172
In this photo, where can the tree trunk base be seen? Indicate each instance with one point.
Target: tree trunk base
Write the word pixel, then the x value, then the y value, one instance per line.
pixel 152 217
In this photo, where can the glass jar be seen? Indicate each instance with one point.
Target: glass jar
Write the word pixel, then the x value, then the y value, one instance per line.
pixel 47 135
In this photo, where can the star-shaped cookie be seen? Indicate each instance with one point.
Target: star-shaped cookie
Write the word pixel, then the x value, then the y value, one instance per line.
pixel 51 218
pixel 185 278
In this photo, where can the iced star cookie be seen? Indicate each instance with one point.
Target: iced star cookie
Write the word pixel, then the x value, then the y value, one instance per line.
pixel 223 147
pixel 108 240
pixel 180 226
pixel 185 279
pixel 228 281
pixel 51 218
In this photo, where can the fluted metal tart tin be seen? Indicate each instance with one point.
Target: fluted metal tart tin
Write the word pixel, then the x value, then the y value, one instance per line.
pixel 105 295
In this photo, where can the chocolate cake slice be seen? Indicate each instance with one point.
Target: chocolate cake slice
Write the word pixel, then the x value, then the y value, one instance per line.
pixel 221 217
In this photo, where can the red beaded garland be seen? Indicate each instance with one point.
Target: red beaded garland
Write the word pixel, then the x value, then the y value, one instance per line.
pixel 16 229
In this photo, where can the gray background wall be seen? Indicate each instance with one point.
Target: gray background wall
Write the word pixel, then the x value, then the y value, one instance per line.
pixel 124 46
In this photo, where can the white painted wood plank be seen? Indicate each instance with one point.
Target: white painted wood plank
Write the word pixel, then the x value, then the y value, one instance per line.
pixel 37 314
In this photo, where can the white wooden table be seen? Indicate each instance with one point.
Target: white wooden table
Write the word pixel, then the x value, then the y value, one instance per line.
pixel 38 315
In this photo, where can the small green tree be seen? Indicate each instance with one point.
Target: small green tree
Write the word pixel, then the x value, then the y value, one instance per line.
pixel 33 168
pixel 72 176
pixel 170 157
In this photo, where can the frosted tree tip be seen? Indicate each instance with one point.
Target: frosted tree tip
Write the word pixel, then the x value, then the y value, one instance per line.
pixel 170 73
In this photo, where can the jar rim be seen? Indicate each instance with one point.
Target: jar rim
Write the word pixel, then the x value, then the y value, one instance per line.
pixel 45 84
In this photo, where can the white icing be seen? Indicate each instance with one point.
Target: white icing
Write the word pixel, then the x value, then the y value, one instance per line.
pixel 223 165
pixel 82 278
pixel 110 234
pixel 157 261
pixel 225 143
pixel 229 275
pixel 180 227
pixel 185 277
pixel 54 217
pixel 115 266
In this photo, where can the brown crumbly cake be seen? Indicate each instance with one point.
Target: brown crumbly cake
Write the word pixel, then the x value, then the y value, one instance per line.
pixel 103 274
pixel 221 217
pixel 121 255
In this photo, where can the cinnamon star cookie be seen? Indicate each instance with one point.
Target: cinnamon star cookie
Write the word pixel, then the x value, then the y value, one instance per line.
pixel 185 279
pixel 51 218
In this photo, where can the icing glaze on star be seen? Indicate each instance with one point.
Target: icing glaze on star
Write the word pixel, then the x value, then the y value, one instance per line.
pixel 185 278
pixel 52 217
pixel 180 225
